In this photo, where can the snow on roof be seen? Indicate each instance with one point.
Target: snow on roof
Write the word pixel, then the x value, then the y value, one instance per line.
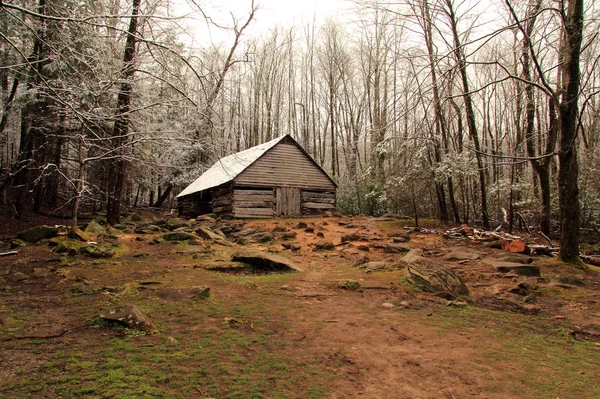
pixel 228 168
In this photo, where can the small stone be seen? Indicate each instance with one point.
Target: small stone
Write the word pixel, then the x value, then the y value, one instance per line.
pixel 363 247
pixel 309 230
pixel 130 315
pixel 387 305
pixel 320 235
pixel 301 225
pixel 173 340
pixel 405 304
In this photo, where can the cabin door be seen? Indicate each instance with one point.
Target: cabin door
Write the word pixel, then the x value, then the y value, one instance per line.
pixel 287 201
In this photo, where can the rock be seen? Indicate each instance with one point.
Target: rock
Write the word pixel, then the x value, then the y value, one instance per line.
pixel 178 236
pixel 363 247
pixel 517 258
pixel 261 237
pixel 309 230
pixel 246 232
pixel 412 255
pixel 175 223
pixel 278 229
pixel 436 278
pixel 404 304
pixel 571 280
pixel 350 285
pixel 301 225
pixel 377 266
pixel 38 233
pixel 518 268
pixel 294 247
pixel 81 235
pixel 525 287
pixel 205 218
pixel 40 272
pixel 130 315
pixel 320 234
pixel 396 247
pixel 67 245
pixel 460 254
pixel 387 305
pixel 208 234
pixel 400 236
pixel 266 261
pixel 96 251
pixel 351 237
pixel 361 259
pixel 400 239
pixel 323 245
pixel 288 235
pixel 95 229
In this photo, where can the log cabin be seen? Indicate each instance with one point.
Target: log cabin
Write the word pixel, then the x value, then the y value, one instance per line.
pixel 275 179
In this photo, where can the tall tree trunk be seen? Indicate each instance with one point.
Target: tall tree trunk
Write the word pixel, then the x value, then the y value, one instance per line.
pixel 117 167
pixel 568 173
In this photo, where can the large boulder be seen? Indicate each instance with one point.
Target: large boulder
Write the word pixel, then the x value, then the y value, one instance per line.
pixel 433 277
pixel 266 261
pixel 95 229
pixel 130 315
pixel 38 233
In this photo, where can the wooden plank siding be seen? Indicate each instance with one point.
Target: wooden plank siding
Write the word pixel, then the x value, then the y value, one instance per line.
pixel 253 203
pixel 285 165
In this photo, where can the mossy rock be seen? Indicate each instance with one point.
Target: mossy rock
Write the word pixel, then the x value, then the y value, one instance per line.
pixel 82 235
pixel 178 236
pixel 66 245
pixel 96 251
pixel 95 229
pixel 38 233
pixel 135 218
pixel 175 223
pixel 124 228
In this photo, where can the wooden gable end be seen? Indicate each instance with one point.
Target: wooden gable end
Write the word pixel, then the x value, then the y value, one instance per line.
pixel 285 165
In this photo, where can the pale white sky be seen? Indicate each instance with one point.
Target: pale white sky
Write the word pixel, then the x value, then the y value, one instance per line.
pixel 271 13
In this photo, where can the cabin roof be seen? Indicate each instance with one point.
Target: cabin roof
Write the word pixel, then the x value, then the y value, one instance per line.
pixel 228 168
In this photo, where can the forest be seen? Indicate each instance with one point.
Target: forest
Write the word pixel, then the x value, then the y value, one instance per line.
pixel 468 112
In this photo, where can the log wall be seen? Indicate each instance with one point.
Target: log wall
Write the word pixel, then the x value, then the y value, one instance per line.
pixel 253 203
pixel 315 203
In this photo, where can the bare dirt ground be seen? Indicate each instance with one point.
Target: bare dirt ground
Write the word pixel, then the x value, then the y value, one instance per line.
pixel 332 331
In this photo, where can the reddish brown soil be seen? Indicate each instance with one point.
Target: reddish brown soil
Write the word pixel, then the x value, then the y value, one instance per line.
pixel 413 350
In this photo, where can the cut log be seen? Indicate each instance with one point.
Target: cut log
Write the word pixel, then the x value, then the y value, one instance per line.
pixel 254 197
pixel 254 204
pixel 505 245
pixel 253 192
pixel 252 212
pixel 316 205
pixel 518 247
pixel 312 194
